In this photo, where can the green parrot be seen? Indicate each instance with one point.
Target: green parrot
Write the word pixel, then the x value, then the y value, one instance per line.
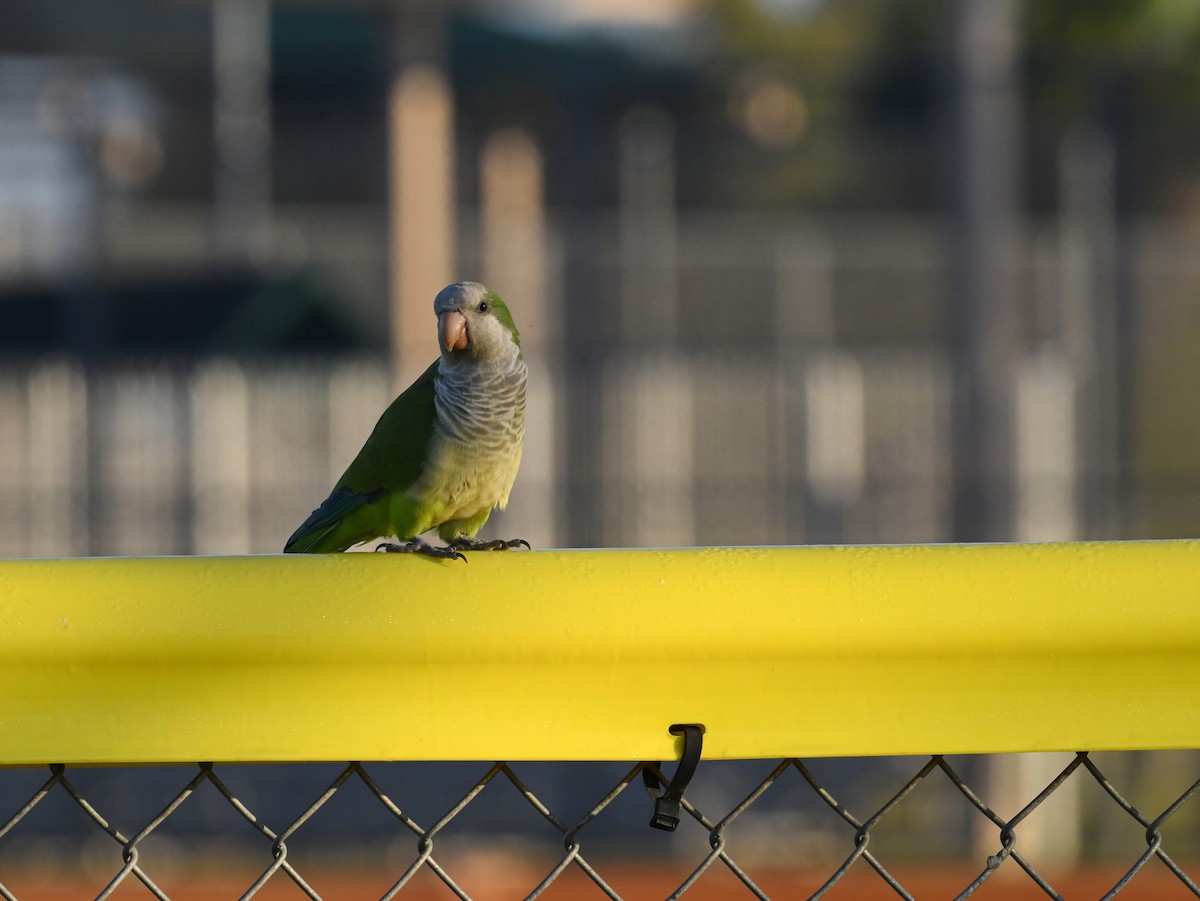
pixel 445 453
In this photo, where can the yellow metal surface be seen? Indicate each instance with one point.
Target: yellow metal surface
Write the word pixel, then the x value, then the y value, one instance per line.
pixel 592 654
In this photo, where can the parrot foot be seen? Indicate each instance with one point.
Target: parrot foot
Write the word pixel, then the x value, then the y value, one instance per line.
pixel 481 544
pixel 417 546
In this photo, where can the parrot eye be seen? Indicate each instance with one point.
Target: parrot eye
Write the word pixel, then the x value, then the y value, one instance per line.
pixel 483 306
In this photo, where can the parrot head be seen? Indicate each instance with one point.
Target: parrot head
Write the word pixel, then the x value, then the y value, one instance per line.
pixel 473 321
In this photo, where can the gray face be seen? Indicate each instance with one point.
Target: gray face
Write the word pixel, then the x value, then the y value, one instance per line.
pixel 458 297
pixel 467 328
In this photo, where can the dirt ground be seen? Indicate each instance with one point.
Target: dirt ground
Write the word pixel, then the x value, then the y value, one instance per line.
pixel 633 882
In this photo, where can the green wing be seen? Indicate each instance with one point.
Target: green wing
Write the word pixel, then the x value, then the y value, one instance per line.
pixel 319 533
pixel 389 462
pixel 394 455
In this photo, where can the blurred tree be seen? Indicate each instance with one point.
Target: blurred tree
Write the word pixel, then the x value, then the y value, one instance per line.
pixel 1129 67
pixel 789 74
pixel 871 77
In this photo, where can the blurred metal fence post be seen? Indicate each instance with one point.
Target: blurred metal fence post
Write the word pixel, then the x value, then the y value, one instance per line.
pixel 1047 450
pixel 649 227
pixel 59 473
pixel 804 263
pixel 835 430
pixel 984 300
pixel 421 164
pixel 15 464
pixel 1088 295
pixel 513 218
pixel 242 128
pixel 220 458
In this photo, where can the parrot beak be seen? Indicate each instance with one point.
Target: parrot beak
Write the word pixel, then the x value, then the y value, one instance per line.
pixel 452 331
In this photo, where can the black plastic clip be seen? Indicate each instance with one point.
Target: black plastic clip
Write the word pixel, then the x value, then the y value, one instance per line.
pixel 667 803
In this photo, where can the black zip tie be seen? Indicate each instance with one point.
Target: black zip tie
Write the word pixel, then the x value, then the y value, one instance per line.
pixel 667 803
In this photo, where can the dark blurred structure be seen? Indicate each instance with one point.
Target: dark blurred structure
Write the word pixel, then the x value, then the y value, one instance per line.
pixel 208 315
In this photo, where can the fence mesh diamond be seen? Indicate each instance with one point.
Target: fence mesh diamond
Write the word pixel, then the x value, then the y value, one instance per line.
pixel 851 838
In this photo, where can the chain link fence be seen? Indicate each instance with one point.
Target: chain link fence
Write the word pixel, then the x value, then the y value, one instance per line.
pixel 854 847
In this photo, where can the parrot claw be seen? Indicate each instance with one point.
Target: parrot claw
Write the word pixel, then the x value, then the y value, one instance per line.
pixel 481 544
pixel 417 546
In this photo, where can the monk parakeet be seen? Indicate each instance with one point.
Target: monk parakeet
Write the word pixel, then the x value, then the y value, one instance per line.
pixel 446 452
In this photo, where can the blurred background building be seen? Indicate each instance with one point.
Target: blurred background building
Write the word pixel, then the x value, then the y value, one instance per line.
pixel 787 271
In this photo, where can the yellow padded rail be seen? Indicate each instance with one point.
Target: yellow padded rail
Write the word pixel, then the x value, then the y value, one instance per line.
pixel 593 654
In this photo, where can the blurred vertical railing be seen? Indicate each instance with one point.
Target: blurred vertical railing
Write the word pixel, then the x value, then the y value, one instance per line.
pixel 711 448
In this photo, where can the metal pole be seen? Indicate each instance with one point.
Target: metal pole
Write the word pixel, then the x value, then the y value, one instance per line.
pixel 513 214
pixel 421 196
pixel 984 293
pixel 421 140
pixel 242 128
pixel 649 227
